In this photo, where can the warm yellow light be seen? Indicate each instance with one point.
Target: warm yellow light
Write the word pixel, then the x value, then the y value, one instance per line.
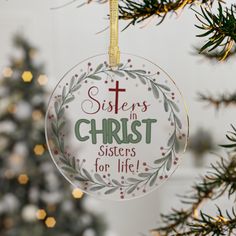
pixel 41 214
pixel 39 149
pixel 27 76
pixel 7 72
pixel 221 219
pixel 77 193
pixel 23 179
pixel 195 213
pixel 37 115
pixel 42 79
pixel 50 222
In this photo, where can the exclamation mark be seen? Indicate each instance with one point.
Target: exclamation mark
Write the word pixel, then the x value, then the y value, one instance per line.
pixel 137 165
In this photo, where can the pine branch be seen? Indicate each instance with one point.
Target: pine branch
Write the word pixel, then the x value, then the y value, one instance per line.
pixel 208 225
pixel 138 11
pixel 220 28
pixel 212 186
pixel 220 100
pixel 231 136
pixel 214 55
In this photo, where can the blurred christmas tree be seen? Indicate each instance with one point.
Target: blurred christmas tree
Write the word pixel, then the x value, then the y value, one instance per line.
pixel 34 198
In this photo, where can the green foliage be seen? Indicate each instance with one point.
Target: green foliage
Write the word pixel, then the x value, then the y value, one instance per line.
pixel 22 114
pixel 215 226
pixel 231 136
pixel 220 180
pixel 220 28
pixel 138 11
pixel 192 221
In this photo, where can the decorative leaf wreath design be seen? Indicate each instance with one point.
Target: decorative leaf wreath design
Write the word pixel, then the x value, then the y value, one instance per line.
pixel 74 167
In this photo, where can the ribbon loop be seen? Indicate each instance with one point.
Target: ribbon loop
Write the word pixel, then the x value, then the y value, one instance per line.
pixel 114 51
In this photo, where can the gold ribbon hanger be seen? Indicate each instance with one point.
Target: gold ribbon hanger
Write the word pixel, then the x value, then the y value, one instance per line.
pixel 114 51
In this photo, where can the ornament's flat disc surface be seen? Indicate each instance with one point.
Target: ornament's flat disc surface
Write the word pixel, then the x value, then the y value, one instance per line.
pixel 116 134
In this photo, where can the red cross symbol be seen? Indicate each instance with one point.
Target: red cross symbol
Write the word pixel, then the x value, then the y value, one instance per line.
pixel 117 90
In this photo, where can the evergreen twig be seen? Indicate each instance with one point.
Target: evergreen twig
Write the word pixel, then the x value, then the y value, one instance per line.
pixel 212 186
pixel 138 11
pixel 215 184
pixel 220 28
pixel 220 100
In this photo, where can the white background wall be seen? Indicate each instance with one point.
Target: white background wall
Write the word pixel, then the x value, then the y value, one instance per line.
pixel 68 35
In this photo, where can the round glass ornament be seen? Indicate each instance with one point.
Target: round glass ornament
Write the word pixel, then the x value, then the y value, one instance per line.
pixel 116 133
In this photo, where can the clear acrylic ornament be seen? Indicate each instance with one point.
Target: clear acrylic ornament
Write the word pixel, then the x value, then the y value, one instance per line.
pixel 116 133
